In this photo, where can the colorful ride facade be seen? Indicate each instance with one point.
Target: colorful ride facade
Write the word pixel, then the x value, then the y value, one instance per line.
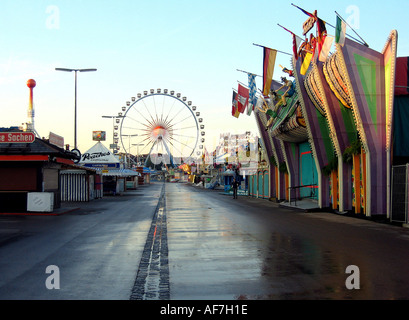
pixel 332 140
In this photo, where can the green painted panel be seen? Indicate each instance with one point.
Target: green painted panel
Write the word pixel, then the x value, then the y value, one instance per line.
pixel 349 123
pixel 367 73
pixel 325 133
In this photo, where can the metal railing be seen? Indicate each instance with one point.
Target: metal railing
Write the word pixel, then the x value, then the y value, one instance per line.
pixel 312 194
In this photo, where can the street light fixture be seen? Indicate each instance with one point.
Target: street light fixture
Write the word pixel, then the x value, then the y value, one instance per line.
pixel 75 103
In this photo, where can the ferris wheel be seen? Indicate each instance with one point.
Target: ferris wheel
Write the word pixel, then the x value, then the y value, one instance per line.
pixel 163 125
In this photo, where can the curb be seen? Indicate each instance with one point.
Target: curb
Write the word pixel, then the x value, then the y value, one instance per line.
pixel 37 213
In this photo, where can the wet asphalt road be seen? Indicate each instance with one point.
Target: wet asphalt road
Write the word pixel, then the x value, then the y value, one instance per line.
pixel 199 244
pixel 220 248
pixel 96 248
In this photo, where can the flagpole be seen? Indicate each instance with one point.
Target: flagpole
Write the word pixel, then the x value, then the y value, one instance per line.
pixel 259 45
pixel 352 29
pixel 248 72
pixel 364 43
pixel 289 31
pixel 244 85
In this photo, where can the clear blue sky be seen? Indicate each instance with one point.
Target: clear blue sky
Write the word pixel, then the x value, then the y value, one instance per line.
pixel 192 47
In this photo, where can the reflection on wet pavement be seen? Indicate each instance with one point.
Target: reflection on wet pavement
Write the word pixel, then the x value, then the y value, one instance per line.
pixel 217 254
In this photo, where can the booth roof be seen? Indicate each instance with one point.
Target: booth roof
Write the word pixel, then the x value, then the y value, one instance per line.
pixel 98 154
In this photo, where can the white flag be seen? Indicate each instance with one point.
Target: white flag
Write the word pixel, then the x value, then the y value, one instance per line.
pixel 325 48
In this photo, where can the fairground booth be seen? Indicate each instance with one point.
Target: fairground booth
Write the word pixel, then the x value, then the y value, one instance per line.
pixel 115 178
pixel 30 172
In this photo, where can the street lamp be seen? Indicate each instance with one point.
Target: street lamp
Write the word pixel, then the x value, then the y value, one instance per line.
pixel 113 129
pixel 75 106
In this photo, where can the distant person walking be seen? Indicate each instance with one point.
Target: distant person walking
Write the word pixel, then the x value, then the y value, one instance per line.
pixel 234 185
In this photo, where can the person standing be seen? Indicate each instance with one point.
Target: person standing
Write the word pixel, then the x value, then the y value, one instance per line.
pixel 235 185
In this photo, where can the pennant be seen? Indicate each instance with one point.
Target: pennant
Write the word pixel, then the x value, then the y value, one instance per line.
pixel 242 98
pixel 325 48
pixel 234 110
pixel 340 31
pixel 268 69
pixel 252 93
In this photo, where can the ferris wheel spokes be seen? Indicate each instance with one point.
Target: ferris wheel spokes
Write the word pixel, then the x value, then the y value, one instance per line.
pixel 137 122
pixel 145 117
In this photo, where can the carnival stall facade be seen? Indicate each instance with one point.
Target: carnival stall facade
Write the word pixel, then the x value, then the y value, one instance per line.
pixel 327 126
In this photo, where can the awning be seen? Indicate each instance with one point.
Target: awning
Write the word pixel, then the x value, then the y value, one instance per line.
pixel 148 170
pixel 119 173
pixel 229 173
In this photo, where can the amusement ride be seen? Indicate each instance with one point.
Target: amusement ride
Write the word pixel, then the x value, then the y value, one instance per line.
pixel 162 124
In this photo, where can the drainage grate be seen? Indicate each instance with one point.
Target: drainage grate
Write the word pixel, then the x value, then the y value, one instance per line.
pixel 152 280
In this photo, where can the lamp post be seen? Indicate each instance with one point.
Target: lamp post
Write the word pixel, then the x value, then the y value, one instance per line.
pixel 113 129
pixel 75 103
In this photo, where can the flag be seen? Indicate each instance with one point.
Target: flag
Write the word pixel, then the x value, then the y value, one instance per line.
pixel 340 31
pixel 306 63
pixel 242 98
pixel 295 47
pixel 252 93
pixel 296 42
pixel 325 48
pixel 321 34
pixel 234 110
pixel 306 12
pixel 268 69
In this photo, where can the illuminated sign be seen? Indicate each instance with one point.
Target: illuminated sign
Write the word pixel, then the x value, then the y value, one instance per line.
pixel 17 137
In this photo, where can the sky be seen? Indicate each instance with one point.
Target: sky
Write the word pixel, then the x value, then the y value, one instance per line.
pixel 192 47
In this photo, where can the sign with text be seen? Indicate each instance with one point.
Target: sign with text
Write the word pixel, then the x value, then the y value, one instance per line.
pixel 17 137
pixel 308 24
pixel 56 140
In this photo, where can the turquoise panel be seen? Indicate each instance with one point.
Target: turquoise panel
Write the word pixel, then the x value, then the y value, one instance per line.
pixel 266 183
pixel 260 184
pixel 308 172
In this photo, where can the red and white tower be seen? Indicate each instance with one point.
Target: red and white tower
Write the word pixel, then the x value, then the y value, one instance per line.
pixel 30 125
